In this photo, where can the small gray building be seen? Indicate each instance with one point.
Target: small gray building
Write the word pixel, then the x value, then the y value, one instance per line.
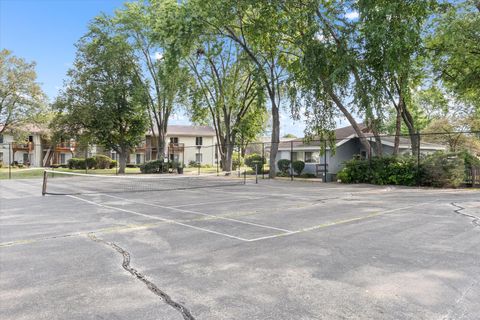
pixel 347 146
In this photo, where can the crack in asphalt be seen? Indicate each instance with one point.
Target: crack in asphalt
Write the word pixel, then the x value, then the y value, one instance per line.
pixel 475 220
pixel 150 285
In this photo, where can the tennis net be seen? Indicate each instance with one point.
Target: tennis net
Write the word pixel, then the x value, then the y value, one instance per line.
pixel 69 183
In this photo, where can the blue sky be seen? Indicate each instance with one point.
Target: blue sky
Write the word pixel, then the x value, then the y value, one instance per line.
pixel 45 31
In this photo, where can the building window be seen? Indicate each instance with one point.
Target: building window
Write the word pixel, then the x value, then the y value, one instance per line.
pixel 363 154
pixel 138 158
pixel 198 141
pixel 198 158
pixel 309 157
pixel 62 158
pixel 174 140
pixel 1 138
pixel 294 156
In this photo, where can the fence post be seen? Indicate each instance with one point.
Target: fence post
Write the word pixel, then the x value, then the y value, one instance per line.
pixel 418 158
pixel 263 160
pixel 291 160
pixel 44 185
pixel 86 157
pixel 325 161
pixel 239 160
pixel 216 158
pixel 10 150
pixel 256 173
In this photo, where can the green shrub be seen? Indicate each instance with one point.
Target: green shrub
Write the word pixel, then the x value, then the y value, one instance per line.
pixel 155 166
pixel 113 164
pixel 237 161
pixel 254 160
pixel 283 165
pixel 437 170
pixel 283 174
pixel 298 166
pixel 307 175
pixel 443 170
pixel 90 162
pixel 193 164
pixel 76 163
pixel 102 162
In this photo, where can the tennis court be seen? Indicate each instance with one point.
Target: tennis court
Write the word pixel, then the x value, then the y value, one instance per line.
pixel 215 248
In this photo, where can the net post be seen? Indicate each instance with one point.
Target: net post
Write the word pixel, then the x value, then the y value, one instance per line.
pixel 44 185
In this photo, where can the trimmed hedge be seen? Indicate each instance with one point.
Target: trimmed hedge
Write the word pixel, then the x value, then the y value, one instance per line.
pixel 154 166
pixel 253 160
pixel 283 165
pixel 438 170
pixel 298 166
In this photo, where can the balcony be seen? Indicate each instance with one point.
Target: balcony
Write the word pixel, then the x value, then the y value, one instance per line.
pixel 28 146
pixel 175 147
pixel 65 146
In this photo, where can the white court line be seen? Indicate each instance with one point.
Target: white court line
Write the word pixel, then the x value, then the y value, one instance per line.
pixel 157 218
pixel 333 223
pixel 214 202
pixel 199 213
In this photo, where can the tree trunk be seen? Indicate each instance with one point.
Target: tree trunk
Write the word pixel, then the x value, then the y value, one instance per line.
pixel 275 139
pixel 161 142
pixel 122 161
pixel 398 128
pixel 353 123
pixel 227 164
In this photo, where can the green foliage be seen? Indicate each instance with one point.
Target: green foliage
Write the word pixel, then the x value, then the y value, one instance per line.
pixel 113 164
pixel 283 165
pixel 307 175
pixel 455 47
pixel 298 166
pixel 21 98
pixel 112 109
pixel 437 170
pixel 443 170
pixel 76 163
pixel 103 162
pixel 155 166
pixel 90 162
pixel 237 161
pixel 255 160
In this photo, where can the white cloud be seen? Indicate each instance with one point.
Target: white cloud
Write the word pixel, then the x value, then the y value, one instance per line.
pixel 352 15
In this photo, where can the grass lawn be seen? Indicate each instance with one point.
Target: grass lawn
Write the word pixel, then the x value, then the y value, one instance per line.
pixel 38 172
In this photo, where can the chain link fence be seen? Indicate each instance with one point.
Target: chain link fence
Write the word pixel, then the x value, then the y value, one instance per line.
pixel 295 158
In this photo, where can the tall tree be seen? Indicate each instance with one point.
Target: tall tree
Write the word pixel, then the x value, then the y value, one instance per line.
pixel 254 26
pixel 104 97
pixel 393 51
pixel 455 52
pixel 21 98
pixel 148 29
pixel 228 91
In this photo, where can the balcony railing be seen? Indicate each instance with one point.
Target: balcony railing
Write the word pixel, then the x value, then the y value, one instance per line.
pixel 176 147
pixel 23 146
pixel 65 146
